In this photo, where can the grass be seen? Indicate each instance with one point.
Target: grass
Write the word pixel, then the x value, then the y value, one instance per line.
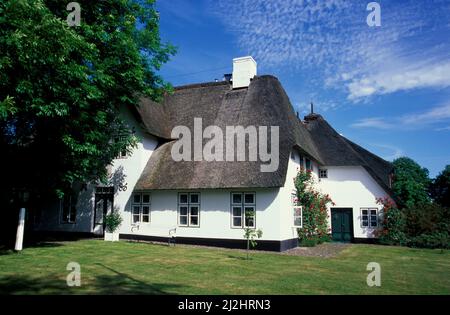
pixel 139 268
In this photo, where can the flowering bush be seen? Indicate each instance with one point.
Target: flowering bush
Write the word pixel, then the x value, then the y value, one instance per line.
pixel 315 212
pixel 393 224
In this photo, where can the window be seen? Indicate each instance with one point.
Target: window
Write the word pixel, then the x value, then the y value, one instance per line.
pixel 68 209
pixel 189 209
pixel 297 211
pixel 308 164
pixel 123 154
pixel 369 217
pixel 301 160
pixel 298 218
pixel 140 208
pixel 243 210
pixel 294 198
pixel 323 173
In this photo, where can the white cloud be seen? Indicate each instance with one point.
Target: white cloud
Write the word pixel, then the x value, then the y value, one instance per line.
pixel 434 75
pixel 331 40
pixel 374 122
pixel 435 115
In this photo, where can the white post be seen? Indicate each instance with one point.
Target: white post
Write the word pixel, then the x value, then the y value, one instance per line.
pixel 20 228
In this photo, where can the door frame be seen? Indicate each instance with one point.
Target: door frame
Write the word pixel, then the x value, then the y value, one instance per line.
pixel 106 194
pixel 343 209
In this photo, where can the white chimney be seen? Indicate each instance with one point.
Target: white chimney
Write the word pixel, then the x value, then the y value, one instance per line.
pixel 244 69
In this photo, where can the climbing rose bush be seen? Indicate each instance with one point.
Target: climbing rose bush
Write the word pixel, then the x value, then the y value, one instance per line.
pixel 315 210
pixel 393 224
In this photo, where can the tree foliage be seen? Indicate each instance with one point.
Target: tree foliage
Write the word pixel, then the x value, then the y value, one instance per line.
pixel 62 88
pixel 411 183
pixel 440 188
pixel 250 234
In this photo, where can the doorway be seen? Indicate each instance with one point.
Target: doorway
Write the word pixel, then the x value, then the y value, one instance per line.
pixel 342 224
pixel 104 203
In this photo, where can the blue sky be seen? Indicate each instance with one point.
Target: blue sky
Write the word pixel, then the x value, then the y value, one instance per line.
pixel 386 88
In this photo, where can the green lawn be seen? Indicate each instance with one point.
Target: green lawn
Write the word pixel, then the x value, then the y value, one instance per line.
pixel 123 267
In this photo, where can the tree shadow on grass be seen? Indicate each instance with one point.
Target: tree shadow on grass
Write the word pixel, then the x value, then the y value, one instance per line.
pixel 102 285
pixel 119 283
pixel 238 257
pixel 5 250
pixel 122 283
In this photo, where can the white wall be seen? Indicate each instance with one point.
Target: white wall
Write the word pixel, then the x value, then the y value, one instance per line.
pixel 288 231
pixel 125 171
pixel 348 187
pixel 286 212
pixel 352 187
pixel 51 215
pixel 215 215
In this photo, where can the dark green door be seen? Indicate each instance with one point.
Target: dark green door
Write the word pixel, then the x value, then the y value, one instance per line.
pixel 342 224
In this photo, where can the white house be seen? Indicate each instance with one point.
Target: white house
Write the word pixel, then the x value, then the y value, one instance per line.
pixel 205 202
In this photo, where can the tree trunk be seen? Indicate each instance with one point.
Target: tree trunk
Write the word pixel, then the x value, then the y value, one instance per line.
pixel 248 247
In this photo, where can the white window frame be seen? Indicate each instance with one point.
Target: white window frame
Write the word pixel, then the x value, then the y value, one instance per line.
pixel 189 205
pixel 370 217
pixel 121 155
pixel 294 208
pixel 140 208
pixel 243 205
pixel 325 172
pixel 66 219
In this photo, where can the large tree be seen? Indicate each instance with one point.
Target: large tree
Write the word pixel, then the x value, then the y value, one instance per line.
pixel 61 88
pixel 440 188
pixel 411 183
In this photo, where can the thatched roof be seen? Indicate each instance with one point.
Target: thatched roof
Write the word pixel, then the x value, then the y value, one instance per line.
pixel 263 103
pixel 336 150
pixel 153 118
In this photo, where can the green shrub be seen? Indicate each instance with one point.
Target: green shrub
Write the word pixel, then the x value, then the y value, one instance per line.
pixel 425 226
pixel 434 240
pixel 428 226
pixel 113 221
pixel 308 242
pixel 313 240
pixel 427 219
